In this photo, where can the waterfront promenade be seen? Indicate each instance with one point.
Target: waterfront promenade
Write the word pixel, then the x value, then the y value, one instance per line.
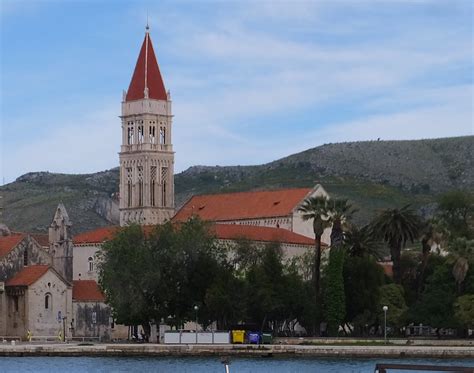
pixel 149 349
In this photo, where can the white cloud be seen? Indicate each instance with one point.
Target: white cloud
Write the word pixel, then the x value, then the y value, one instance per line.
pixel 87 143
pixel 232 70
pixel 450 113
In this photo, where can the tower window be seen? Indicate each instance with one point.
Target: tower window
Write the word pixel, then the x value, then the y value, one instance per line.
pixel 140 134
pixel 25 257
pixel 90 261
pixel 152 185
pixel 129 187
pixel 162 135
pixel 140 186
pixel 47 301
pixel 130 135
pixel 164 181
pixel 15 303
pixel 152 134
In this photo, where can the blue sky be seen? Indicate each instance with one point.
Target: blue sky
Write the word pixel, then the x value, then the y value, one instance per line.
pixel 251 81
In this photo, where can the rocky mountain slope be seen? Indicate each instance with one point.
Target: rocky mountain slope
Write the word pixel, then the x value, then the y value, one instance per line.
pixel 372 174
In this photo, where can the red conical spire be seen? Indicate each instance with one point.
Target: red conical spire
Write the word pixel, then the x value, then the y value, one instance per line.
pixel 147 76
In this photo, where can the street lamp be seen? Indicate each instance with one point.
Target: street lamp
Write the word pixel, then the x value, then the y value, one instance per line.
pixel 196 308
pixel 385 309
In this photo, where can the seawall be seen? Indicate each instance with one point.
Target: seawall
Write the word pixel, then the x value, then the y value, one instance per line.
pixel 27 349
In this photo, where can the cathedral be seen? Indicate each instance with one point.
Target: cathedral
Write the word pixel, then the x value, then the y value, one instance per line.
pixel 49 283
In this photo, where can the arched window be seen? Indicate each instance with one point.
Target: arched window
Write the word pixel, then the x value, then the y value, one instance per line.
pixel 129 187
pixel 47 301
pixel 140 186
pixel 91 263
pixel 164 181
pixel 25 257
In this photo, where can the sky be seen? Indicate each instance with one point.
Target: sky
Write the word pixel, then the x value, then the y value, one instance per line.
pixel 251 81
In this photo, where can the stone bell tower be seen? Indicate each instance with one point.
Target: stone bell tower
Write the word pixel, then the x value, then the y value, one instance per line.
pixel 146 156
pixel 60 243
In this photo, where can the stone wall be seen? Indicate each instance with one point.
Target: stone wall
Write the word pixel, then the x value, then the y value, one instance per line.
pixel 12 263
pixel 44 321
pixel 81 262
pixel 93 319
pixel 16 312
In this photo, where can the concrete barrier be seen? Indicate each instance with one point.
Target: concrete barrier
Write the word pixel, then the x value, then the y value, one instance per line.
pixel 186 337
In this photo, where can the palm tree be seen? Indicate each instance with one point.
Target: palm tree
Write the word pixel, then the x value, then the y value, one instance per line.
pixel 315 209
pixel 362 241
pixel 396 227
pixel 339 211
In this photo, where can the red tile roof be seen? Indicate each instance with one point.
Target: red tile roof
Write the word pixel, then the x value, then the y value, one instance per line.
pixel 146 64
pixel 243 205
pixel 265 234
pixel 28 275
pixel 87 291
pixel 222 231
pixel 8 243
pixel 98 235
pixel 42 239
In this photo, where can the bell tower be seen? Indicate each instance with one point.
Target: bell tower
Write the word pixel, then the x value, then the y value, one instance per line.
pixel 146 155
pixel 60 243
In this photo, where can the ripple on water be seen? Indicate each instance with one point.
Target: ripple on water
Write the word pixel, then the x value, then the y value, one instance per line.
pixel 201 365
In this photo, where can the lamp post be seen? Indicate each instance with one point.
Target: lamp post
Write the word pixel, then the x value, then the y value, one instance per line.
pixel 196 308
pixel 385 309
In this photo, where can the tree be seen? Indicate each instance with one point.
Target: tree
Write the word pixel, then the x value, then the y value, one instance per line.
pixel 363 277
pixel 435 307
pixel 361 242
pixel 226 298
pixel 334 298
pixel 338 212
pixel 456 208
pixel 315 209
pixel 160 275
pixel 464 310
pixel 186 263
pixel 462 253
pixel 123 261
pixel 264 285
pixel 392 296
pixel 396 227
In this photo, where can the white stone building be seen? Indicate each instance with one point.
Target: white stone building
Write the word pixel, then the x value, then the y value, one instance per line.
pixel 267 208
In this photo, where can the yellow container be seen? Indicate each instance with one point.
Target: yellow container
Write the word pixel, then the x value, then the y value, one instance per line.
pixel 238 336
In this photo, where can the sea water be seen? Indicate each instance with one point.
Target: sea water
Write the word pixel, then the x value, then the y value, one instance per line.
pixel 206 364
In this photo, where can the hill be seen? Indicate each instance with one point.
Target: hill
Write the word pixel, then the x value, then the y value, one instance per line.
pixel 372 174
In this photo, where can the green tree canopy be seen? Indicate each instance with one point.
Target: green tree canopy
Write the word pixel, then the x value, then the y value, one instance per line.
pixel 162 275
pixel 334 297
pixel 464 310
pixel 396 227
pixel 435 307
pixel 392 296
pixel 456 208
pixel 363 277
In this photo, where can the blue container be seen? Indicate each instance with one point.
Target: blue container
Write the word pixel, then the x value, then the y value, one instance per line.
pixel 254 338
